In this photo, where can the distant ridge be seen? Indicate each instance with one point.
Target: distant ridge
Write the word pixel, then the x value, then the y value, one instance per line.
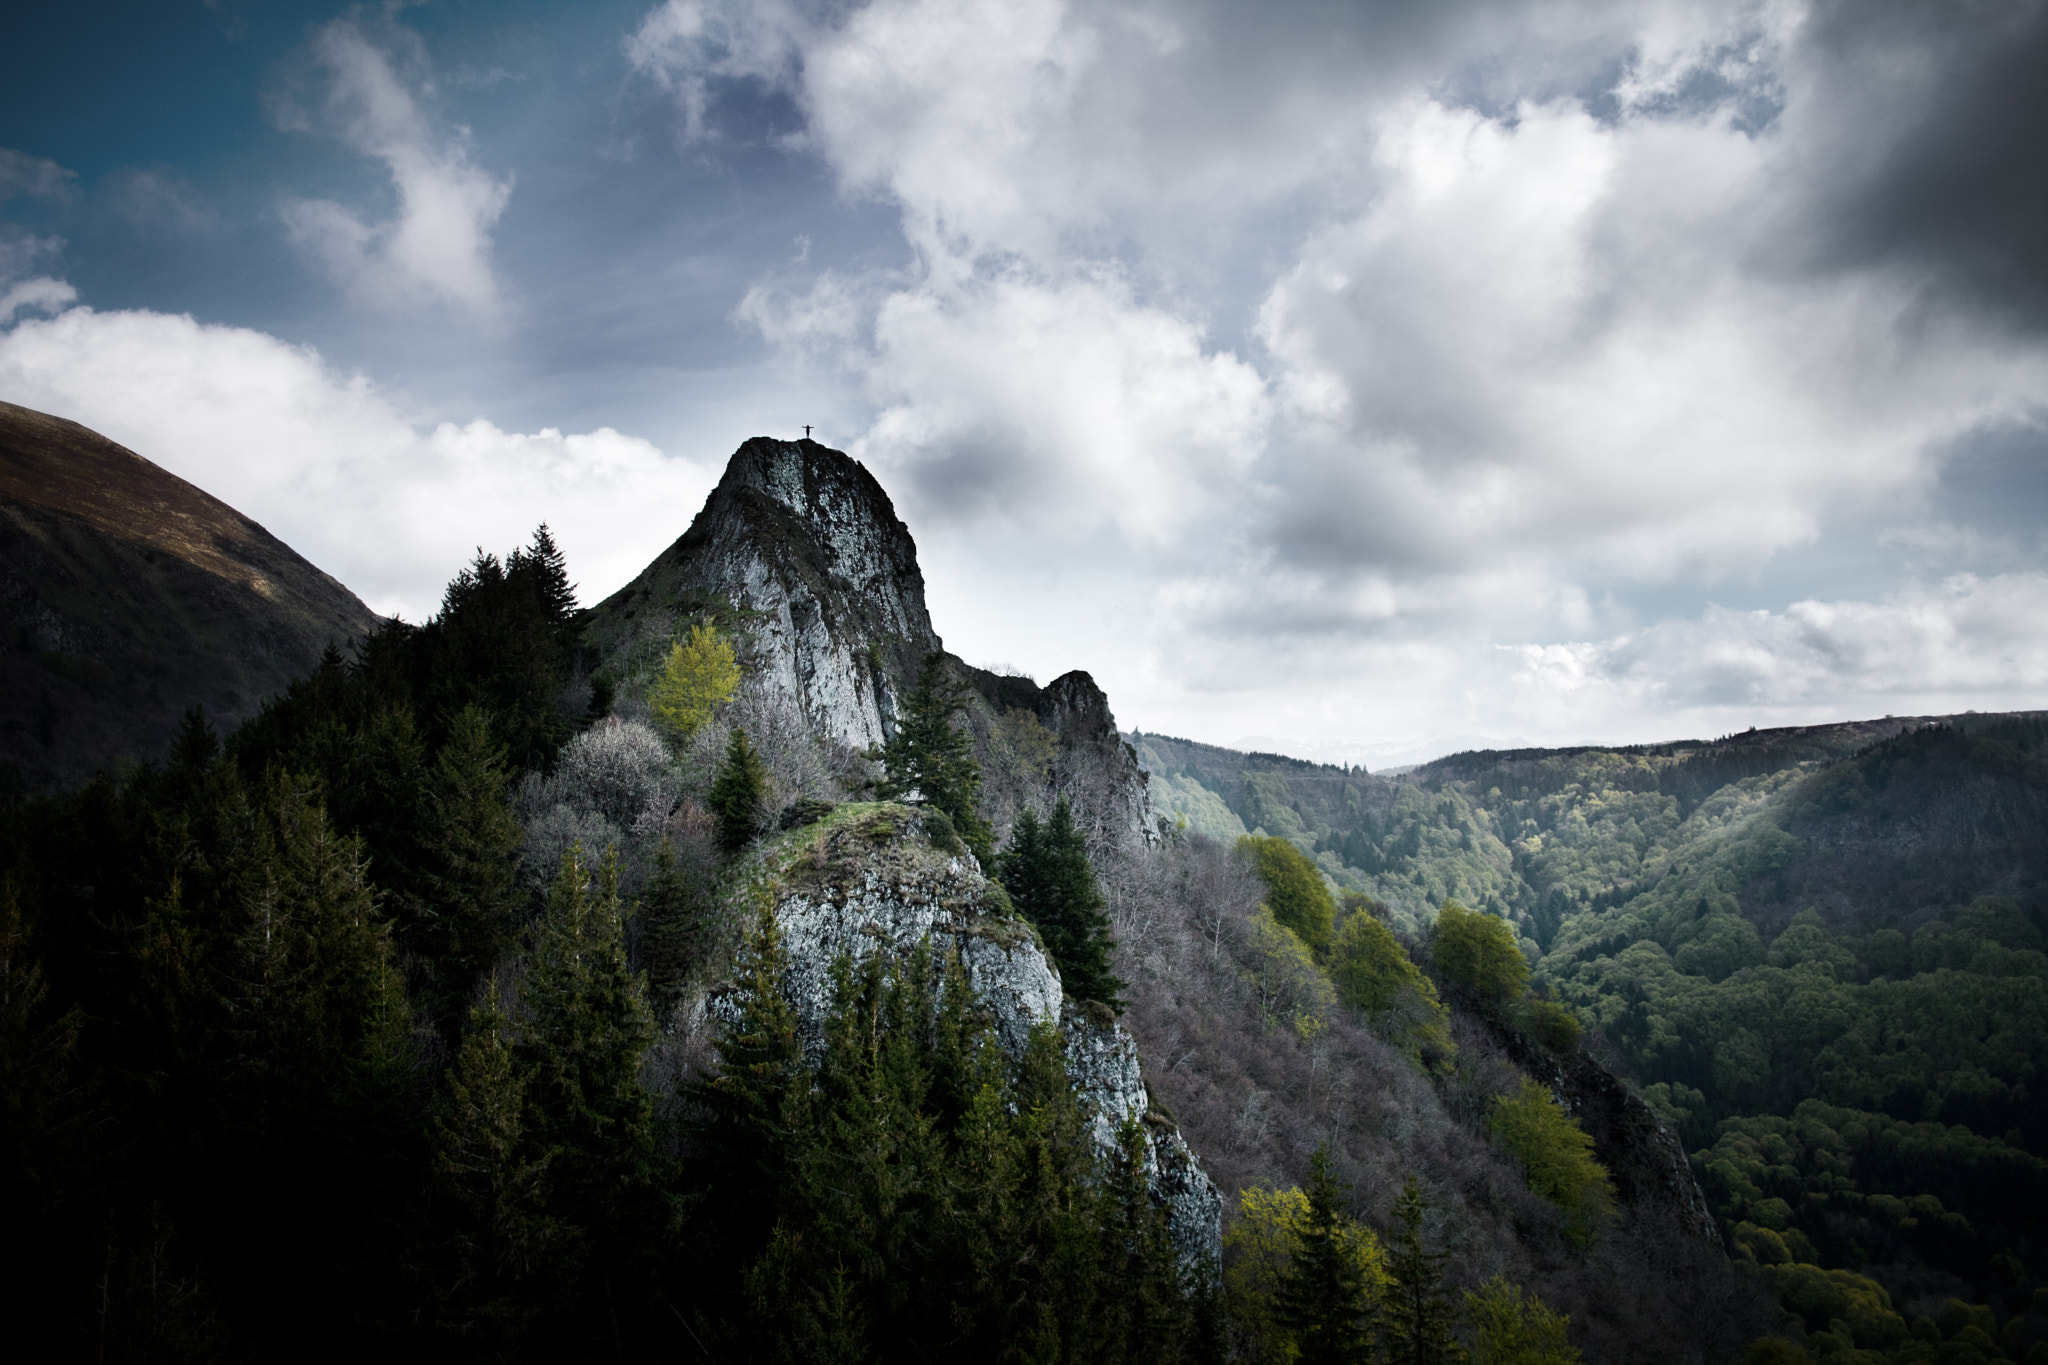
pixel 128 596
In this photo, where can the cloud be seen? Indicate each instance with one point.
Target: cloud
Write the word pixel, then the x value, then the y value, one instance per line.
pixel 1963 639
pixel 34 177
pixel 340 470
pixel 437 244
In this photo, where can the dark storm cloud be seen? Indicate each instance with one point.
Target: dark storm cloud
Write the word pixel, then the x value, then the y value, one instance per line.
pixel 1934 145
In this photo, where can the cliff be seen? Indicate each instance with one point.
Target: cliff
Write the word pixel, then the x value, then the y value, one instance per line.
pixel 869 879
pixel 128 596
pixel 800 551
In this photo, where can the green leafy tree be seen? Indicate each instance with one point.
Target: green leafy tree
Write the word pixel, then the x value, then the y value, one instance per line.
pixel 1374 975
pixel 1556 1156
pixel 739 794
pixel 1050 881
pixel 698 677
pixel 1294 889
pixel 1326 1300
pixel 1512 1327
pixel 930 758
pixel 1479 952
pixel 1416 1326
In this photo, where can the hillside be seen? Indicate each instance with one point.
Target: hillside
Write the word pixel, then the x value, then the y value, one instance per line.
pixel 127 597
pixel 1817 950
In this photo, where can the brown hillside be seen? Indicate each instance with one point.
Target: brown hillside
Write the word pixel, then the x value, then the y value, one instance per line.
pixel 128 596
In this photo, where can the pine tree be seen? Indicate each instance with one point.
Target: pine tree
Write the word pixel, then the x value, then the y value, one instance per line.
pixel 1417 1327
pixel 587 1028
pixel 495 1247
pixel 673 930
pixel 928 756
pixel 739 794
pixel 1049 879
pixel 1324 1300
pixel 468 886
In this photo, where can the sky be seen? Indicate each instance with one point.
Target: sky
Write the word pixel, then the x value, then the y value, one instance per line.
pixel 1361 380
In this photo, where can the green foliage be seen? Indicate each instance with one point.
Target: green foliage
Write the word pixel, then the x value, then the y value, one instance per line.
pixel 1288 987
pixel 1416 1326
pixel 1049 879
pixel 676 930
pixel 926 1196
pixel 933 759
pixel 1478 952
pixel 498 1247
pixel 467 902
pixel 1556 1156
pixel 739 794
pixel 1511 1327
pixel 587 1027
pixel 1330 1291
pixel 1550 1023
pixel 698 677
pixel 1294 890
pixel 1374 975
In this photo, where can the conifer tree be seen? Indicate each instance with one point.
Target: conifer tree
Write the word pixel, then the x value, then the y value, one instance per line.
pixel 468 897
pixel 1416 1329
pixel 1324 1300
pixel 739 794
pixel 587 1028
pixel 673 931
pixel 496 1238
pixel 930 757
pixel 1049 879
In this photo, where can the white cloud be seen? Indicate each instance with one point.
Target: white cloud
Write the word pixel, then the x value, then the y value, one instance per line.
pixel 438 242
pixel 339 470
pixel 1964 640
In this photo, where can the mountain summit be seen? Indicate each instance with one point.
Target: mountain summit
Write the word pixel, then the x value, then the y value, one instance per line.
pixel 804 544
pixel 129 596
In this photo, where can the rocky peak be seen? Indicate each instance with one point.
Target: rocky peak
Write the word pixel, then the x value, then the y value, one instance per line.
pixel 802 550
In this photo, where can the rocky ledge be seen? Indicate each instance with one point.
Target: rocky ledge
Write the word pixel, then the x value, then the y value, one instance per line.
pixel 871 878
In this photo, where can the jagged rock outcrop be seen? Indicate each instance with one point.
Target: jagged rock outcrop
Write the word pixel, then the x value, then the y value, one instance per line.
pixel 128 596
pixel 868 879
pixel 801 551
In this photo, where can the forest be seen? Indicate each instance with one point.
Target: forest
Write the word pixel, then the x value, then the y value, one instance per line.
pixel 438 1010
pixel 1818 954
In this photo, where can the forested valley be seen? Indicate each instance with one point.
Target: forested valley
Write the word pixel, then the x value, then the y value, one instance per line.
pixel 1818 953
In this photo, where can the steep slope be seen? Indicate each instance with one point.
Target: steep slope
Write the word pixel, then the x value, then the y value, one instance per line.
pixel 128 596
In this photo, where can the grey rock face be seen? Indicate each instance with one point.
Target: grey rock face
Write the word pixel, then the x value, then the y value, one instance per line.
pixel 868 880
pixel 807 548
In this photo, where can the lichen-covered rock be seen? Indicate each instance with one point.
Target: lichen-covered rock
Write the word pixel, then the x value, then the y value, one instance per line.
pixel 868 879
